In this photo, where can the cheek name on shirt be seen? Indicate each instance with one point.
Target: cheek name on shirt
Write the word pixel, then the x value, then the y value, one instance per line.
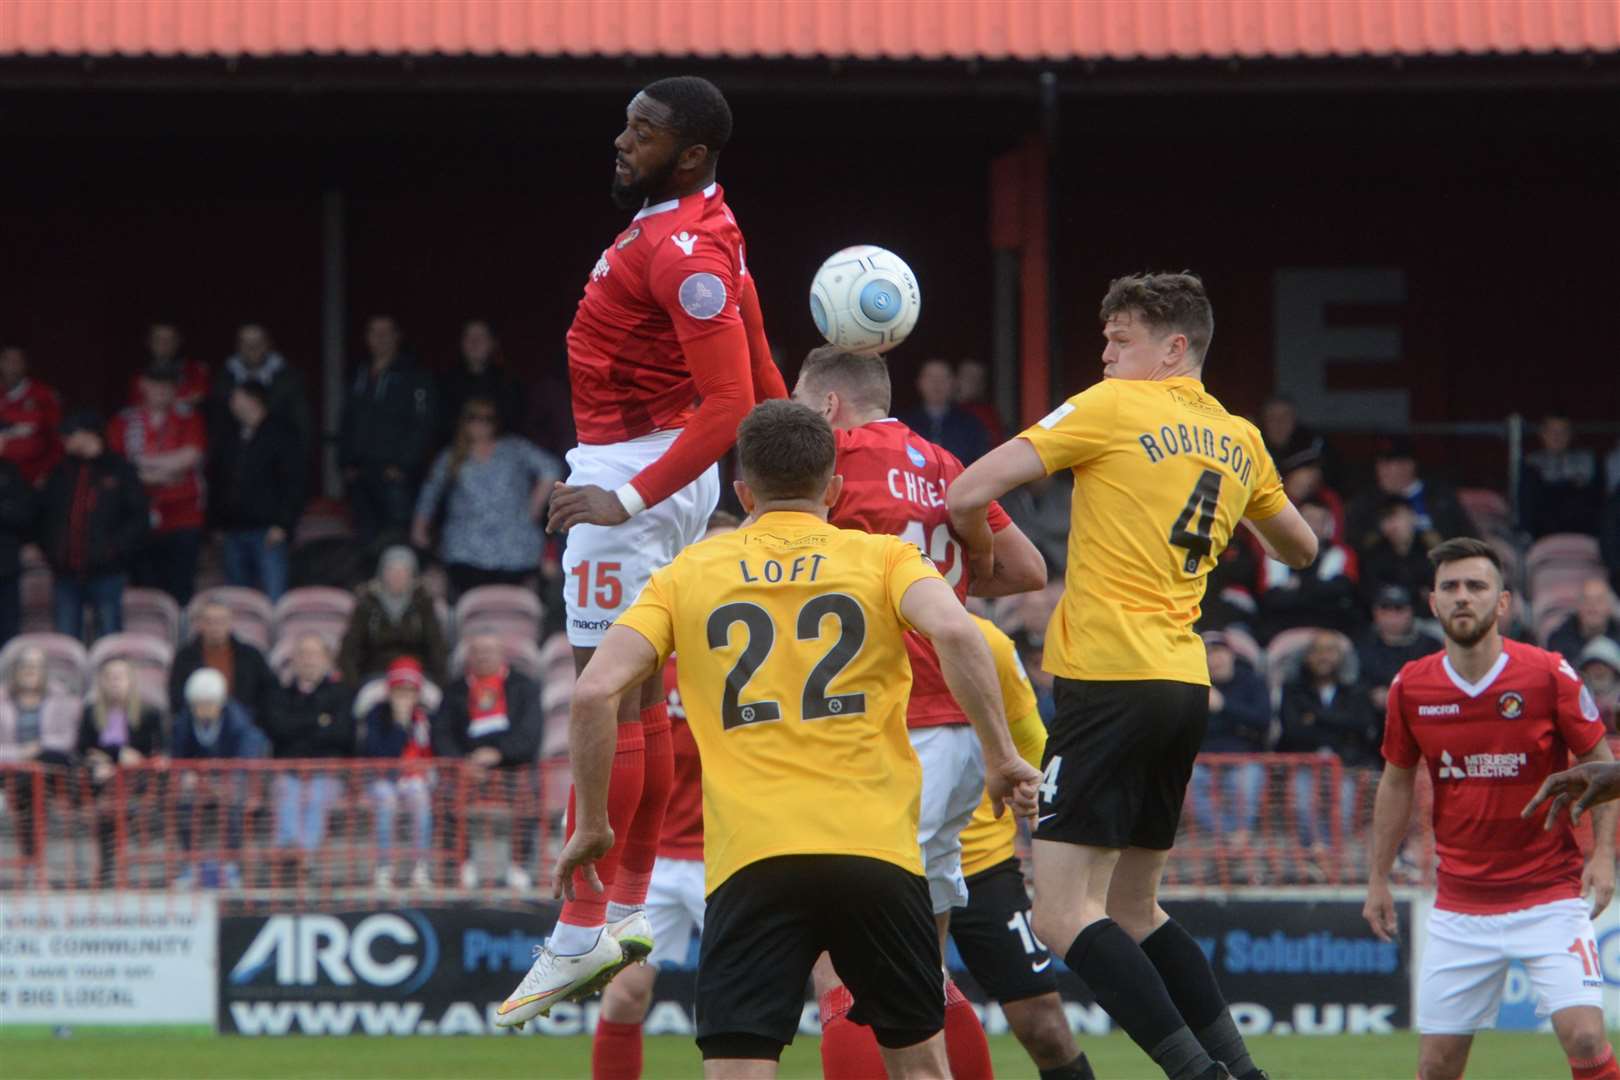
pixel 773 571
pixel 1175 440
pixel 916 489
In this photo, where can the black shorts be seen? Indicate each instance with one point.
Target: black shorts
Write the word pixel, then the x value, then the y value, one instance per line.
pixel 766 925
pixel 1127 751
pixel 993 935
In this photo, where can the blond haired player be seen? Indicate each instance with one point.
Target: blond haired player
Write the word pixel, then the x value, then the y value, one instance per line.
pixel 1162 476
pixel 794 674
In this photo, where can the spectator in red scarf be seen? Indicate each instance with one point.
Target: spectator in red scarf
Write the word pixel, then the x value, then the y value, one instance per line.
pixel 166 442
pixel 401 728
pixel 29 414
pixel 491 719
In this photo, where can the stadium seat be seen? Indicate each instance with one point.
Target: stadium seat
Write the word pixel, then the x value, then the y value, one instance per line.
pixel 149 657
pixel 1488 509
pixel 1563 549
pixel 324 519
pixel 152 613
pixel 251 613
pixel 523 655
pixel 318 608
pixel 509 610
pixel 556 652
pixel 1285 651
pixel 375 691
pixel 280 656
pixel 1246 647
pixel 66 662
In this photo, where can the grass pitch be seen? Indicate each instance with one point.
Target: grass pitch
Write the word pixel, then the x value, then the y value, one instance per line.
pixel 106 1055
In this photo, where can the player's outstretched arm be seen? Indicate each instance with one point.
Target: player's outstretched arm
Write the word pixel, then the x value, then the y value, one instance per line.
pixel 624 659
pixel 1286 537
pixel 970 673
pixel 1392 812
pixel 1009 465
pixel 1579 788
pixel 1019 566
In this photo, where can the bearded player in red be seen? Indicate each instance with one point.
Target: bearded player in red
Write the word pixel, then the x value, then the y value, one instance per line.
pixel 1492 719
pixel 669 315
pixel 894 482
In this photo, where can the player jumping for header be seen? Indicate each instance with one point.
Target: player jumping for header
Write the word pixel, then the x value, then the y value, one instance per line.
pixel 669 314
pixel 1492 719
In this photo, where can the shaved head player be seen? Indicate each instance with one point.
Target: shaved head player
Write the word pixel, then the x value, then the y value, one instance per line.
pixel 669 315
pixel 1162 476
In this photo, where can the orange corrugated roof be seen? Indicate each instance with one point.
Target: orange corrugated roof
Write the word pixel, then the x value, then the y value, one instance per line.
pixel 856 29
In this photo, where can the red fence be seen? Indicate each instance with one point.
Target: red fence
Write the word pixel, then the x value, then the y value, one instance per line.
pixel 357 827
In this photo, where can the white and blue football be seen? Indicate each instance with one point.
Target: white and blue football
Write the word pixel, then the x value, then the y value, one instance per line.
pixel 865 299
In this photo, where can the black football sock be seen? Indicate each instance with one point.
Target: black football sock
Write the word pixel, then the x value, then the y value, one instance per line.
pixel 1078 1069
pixel 1191 982
pixel 1131 991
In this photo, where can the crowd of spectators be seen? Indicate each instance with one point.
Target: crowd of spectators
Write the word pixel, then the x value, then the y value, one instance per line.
pixel 448 471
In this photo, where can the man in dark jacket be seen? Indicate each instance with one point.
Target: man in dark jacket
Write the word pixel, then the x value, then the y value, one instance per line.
pixel 212 727
pixel 256 362
pixel 1400 555
pixel 1323 713
pixel 491 719
pixel 940 420
pixel 388 434
pixel 1593 618
pixel 248 678
pixel 259 472
pixel 311 718
pixel 94 518
pixel 1440 516
pixel 17 506
pixel 1239 723
pixel 1392 642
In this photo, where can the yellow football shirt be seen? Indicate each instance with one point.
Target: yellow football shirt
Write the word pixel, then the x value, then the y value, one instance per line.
pixel 794 678
pixel 987 839
pixel 1162 476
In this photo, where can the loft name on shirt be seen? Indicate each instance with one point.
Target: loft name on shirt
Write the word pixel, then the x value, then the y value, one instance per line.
pixel 775 571
pixel 1173 440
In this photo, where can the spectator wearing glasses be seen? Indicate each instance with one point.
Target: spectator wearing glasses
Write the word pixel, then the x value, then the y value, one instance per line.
pixel 488 491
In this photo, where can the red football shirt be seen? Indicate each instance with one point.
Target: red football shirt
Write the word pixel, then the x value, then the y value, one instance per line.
pixel 682 837
pixel 671 278
pixel 30 413
pixel 135 432
pixel 1489 746
pixel 894 482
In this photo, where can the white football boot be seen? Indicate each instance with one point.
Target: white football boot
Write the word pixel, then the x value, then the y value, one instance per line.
pixel 554 978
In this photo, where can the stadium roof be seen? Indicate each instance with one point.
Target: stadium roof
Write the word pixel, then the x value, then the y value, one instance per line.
pixel 994 30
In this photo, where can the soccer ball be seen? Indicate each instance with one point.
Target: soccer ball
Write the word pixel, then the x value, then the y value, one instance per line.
pixel 865 299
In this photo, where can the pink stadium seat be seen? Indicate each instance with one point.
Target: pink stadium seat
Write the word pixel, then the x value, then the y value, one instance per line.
pixel 509 609
pixel 152 613
pixel 1488 508
pixel 315 608
pixel 1569 549
pixel 252 615
pixel 1246 647
pixel 66 662
pixel 1559 580
pixel 149 658
pixel 325 519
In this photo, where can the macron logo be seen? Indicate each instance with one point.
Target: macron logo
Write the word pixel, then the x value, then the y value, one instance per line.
pixel 685 241
pixel 1449 769
pixel 1440 710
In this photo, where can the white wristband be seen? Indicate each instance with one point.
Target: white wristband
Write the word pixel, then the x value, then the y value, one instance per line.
pixel 631 499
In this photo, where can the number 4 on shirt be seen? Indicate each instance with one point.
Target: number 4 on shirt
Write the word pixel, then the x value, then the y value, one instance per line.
pixel 1197 520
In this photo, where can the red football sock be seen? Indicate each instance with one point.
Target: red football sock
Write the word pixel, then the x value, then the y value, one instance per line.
pixel 1602 1067
pixel 849 1051
pixel 616 1051
pixel 965 1045
pixel 641 842
pixel 589 908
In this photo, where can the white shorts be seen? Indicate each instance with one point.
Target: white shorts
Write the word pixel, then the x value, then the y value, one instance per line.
pixel 1465 964
pixel 953 782
pixel 606 566
pixel 674 908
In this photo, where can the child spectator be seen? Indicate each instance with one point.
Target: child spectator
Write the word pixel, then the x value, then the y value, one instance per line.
pixel 117 730
pixel 401 728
